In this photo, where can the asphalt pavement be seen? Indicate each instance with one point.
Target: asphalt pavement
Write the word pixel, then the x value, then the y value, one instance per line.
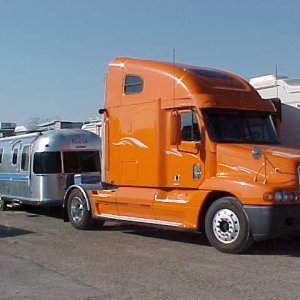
pixel 41 257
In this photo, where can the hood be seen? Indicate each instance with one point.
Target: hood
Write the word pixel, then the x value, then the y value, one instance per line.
pixel 272 164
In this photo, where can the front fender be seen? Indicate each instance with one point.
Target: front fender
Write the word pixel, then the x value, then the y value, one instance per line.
pixel 247 192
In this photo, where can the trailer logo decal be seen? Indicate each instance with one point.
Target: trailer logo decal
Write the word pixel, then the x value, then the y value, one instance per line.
pixel 79 139
pixel 130 141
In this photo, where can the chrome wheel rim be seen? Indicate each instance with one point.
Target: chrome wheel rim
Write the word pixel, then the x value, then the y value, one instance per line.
pixel 226 226
pixel 77 209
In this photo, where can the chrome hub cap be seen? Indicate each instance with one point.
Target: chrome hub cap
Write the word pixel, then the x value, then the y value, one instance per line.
pixel 226 226
pixel 77 209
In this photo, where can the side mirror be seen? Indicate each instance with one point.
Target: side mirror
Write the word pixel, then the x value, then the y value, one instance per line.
pixel 175 127
pixel 101 111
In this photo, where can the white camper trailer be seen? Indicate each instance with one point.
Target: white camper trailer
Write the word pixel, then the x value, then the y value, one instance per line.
pixel 288 91
pixel 37 168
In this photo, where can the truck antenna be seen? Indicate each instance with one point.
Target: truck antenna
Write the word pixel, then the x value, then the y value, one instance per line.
pixel 174 87
pixel 276 74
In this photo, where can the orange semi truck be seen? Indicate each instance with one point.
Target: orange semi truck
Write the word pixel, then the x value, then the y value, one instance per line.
pixel 190 148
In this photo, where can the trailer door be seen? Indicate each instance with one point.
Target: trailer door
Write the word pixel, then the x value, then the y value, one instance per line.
pixel 19 178
pixel 25 183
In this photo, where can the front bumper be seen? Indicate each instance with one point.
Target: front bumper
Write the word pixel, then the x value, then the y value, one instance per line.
pixel 273 221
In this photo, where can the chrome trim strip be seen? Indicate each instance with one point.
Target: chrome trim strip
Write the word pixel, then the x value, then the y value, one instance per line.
pixel 140 220
pixel 167 200
pixel 102 195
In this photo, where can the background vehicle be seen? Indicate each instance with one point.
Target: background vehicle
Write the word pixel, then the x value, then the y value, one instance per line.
pixel 287 90
pixel 37 168
pixel 191 148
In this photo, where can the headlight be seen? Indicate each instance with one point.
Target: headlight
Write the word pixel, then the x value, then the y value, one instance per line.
pixel 292 196
pixel 280 196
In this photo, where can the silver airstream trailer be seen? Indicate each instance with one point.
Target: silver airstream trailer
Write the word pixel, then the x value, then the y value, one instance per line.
pixel 37 168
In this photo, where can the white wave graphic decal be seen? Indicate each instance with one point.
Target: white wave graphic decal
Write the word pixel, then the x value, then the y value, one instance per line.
pixel 130 141
pixel 238 168
pixel 173 151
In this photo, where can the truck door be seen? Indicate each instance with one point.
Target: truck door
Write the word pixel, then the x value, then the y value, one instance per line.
pixel 185 162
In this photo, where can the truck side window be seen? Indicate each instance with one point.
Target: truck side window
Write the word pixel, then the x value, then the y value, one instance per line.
pixel 25 158
pixel 189 127
pixel 133 84
pixel 1 155
pixel 15 156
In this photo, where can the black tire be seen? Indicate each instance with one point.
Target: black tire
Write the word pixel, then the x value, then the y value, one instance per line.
pixel 3 204
pixel 227 227
pixel 78 213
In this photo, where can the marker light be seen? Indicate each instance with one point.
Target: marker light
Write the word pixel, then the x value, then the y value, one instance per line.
pixel 268 196
pixel 280 196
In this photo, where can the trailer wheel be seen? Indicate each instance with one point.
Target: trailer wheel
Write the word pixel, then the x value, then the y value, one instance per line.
pixel 3 204
pixel 79 215
pixel 227 227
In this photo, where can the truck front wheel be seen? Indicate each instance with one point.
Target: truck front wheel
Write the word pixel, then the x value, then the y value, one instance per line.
pixel 79 215
pixel 227 227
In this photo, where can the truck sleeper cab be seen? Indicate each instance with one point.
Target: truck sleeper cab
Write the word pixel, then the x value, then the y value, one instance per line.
pixel 192 148
pixel 37 168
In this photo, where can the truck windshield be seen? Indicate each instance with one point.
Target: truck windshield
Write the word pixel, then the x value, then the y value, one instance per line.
pixel 233 126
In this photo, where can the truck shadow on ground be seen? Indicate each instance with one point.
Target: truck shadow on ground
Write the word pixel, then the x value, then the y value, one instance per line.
pixel 285 246
pixel 36 211
pixel 8 231
pixel 165 234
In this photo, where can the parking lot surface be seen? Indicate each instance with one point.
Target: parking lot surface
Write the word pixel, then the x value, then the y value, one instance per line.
pixel 41 257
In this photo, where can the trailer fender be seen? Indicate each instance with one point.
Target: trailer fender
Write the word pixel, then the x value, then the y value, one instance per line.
pixel 66 199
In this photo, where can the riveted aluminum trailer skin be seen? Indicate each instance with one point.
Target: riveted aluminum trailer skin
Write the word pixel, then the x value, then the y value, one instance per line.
pixel 37 168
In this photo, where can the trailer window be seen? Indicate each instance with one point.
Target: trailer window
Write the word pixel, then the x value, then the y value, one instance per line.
pixel 25 158
pixel 81 161
pixel 1 155
pixel 133 84
pixel 47 163
pixel 15 156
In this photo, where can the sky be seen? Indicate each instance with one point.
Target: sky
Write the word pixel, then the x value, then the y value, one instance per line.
pixel 54 53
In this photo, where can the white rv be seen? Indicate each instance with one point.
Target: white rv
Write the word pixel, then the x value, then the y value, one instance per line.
pixel 288 91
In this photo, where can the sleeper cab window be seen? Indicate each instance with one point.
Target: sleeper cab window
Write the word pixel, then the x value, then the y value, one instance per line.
pixel 133 84
pixel 1 155
pixel 14 156
pixel 189 127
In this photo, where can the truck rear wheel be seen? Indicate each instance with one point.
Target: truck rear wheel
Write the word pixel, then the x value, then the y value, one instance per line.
pixel 79 215
pixel 227 227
